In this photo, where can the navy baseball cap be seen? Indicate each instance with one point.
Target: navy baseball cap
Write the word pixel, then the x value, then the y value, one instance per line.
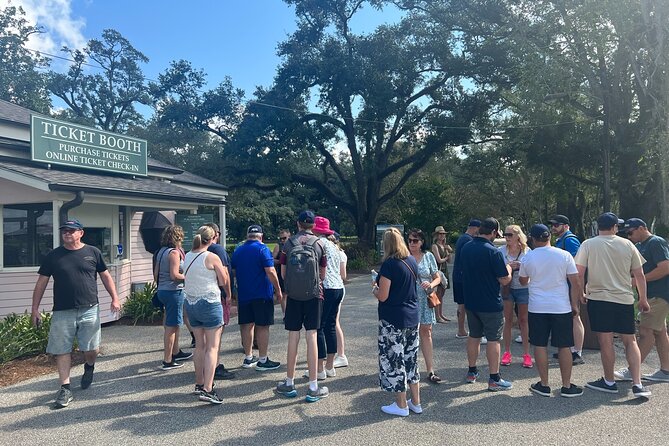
pixel 71 224
pixel 634 223
pixel 254 229
pixel 539 232
pixel 608 220
pixel 475 222
pixel 306 217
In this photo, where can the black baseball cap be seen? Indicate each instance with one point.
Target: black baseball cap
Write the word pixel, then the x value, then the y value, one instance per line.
pixel 254 229
pixel 559 219
pixel 608 220
pixel 634 223
pixel 539 232
pixel 72 224
pixel 475 222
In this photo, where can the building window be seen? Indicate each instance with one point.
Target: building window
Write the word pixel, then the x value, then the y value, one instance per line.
pixel 101 239
pixel 27 233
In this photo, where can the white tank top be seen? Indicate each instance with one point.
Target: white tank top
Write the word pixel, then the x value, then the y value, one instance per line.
pixel 201 283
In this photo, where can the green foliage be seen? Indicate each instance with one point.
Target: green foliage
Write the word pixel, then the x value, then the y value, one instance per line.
pixel 139 307
pixel 360 257
pixel 19 337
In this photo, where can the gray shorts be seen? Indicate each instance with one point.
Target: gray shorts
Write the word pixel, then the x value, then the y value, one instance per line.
pixel 80 323
pixel 485 324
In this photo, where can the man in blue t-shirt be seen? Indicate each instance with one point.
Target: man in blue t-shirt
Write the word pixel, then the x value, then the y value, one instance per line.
pixel 458 293
pixel 483 271
pixel 257 282
pixel 567 241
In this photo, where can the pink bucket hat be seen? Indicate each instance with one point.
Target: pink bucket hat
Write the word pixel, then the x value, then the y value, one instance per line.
pixel 322 226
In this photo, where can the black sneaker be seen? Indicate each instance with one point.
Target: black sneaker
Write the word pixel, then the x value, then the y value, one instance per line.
pixel 576 359
pixel 556 356
pixel 248 363
pixel 223 373
pixel 87 377
pixel 182 356
pixel 640 392
pixel 601 386
pixel 210 397
pixel 63 398
pixel 267 365
pixel 572 391
pixel 199 388
pixel 171 365
pixel 540 389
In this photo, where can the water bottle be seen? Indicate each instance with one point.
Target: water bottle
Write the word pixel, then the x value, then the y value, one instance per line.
pixel 374 276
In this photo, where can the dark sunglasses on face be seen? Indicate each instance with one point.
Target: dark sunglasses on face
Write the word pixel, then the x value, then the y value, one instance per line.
pixel 414 240
pixel 509 234
pixel 283 239
pixel 68 231
pixel 556 225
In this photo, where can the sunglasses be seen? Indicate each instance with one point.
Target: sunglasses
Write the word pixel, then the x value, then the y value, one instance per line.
pixel 555 225
pixel 68 231
pixel 414 240
pixel 283 239
pixel 508 234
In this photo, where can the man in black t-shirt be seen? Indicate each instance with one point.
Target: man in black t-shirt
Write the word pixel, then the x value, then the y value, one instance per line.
pixel 74 267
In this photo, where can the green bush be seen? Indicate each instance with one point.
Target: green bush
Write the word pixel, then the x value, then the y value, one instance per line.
pixel 139 307
pixel 360 257
pixel 19 337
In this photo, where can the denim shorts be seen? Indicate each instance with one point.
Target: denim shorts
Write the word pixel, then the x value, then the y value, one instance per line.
pixel 80 323
pixel 203 314
pixel 173 300
pixel 518 295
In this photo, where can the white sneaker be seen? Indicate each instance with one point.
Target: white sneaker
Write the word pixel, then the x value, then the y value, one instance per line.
pixel 519 339
pixel 330 373
pixel 622 375
pixel 340 361
pixel 415 408
pixel 393 409
pixel 484 340
pixel 319 375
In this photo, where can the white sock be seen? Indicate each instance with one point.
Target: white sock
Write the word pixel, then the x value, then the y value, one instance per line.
pixel 249 357
pixel 289 381
pixel 262 359
pixel 609 383
pixel 313 385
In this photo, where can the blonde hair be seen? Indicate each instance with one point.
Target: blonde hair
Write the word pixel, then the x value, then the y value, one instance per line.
pixel 172 236
pixel 204 235
pixel 521 236
pixel 393 245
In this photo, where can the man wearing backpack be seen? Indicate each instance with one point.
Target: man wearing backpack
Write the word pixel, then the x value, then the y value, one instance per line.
pixel 567 241
pixel 303 264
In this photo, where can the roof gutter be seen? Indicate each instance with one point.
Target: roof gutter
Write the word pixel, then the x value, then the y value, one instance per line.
pixel 62 213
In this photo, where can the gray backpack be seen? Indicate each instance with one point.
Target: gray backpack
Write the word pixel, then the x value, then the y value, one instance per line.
pixel 302 269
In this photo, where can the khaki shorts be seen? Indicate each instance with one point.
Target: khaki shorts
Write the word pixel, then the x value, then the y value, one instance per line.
pixel 656 318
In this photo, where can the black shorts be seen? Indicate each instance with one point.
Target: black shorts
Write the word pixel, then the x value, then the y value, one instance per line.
pixel 257 311
pixel 303 313
pixel 609 317
pixel 458 293
pixel 485 324
pixel 559 327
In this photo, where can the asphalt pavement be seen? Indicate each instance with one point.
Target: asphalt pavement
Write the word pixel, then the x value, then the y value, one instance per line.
pixel 133 401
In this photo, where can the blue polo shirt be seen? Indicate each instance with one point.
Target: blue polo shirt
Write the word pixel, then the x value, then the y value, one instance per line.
pixel 249 262
pixel 482 263
pixel 569 242
pixel 457 269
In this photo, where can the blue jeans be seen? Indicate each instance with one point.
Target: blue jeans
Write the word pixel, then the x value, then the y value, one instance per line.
pixel 173 300
pixel 327 334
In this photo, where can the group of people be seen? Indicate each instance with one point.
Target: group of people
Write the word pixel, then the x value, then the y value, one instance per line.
pixel 306 273
pixel 545 285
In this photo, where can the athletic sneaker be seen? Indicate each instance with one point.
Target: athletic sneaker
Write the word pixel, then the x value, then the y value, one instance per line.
pixel 248 363
pixel 199 388
pixel 63 398
pixel 267 365
pixel 315 395
pixel 222 373
pixel 527 361
pixel 87 377
pixel 601 386
pixel 494 386
pixel 286 390
pixel 540 389
pixel 572 391
pixel 506 358
pixel 182 356
pixel 340 361
pixel 519 339
pixel 330 373
pixel 471 377
pixel 576 359
pixel 640 391
pixel 415 408
pixel 319 375
pixel 659 376
pixel 210 397
pixel 622 375
pixel 171 365
pixel 394 409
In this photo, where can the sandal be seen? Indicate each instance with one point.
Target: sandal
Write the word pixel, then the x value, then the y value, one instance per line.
pixel 433 378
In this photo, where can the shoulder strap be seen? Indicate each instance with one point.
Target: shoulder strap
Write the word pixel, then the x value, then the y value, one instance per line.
pixel 191 263
pixel 157 270
pixel 412 273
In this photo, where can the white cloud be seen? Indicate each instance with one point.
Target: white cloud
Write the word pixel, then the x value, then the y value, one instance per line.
pixel 55 17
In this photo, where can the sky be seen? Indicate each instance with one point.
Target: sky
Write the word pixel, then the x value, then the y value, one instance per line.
pixel 236 38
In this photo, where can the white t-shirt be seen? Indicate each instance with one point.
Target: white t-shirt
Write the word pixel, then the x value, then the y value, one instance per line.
pixel 547 267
